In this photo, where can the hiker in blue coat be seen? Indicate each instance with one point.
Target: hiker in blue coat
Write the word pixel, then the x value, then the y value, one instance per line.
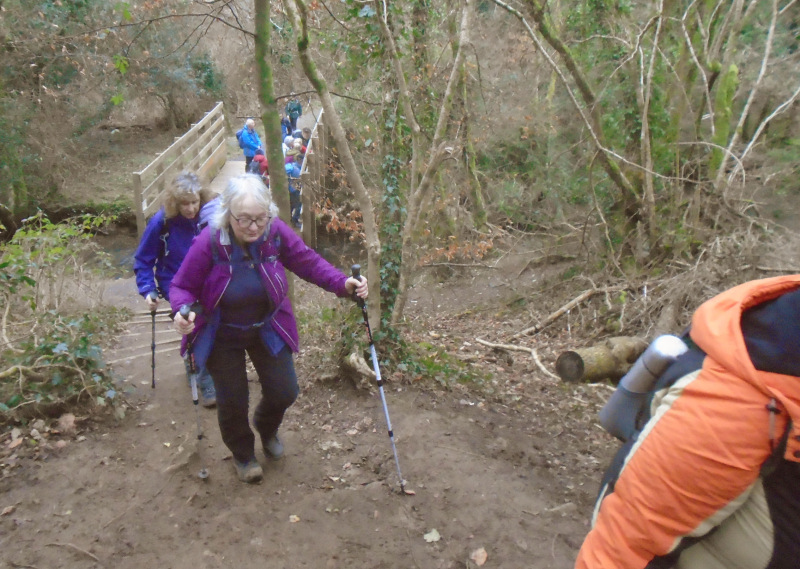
pixel 249 142
pixel 295 204
pixel 164 244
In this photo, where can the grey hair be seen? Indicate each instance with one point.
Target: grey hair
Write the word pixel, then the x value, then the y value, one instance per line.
pixel 239 187
pixel 250 122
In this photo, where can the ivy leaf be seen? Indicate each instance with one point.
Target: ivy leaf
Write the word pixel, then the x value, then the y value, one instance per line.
pixel 366 12
pixel 61 348
pixel 124 7
pixel 121 63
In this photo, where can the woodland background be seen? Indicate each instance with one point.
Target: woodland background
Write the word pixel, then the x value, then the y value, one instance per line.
pixel 645 151
pixel 523 178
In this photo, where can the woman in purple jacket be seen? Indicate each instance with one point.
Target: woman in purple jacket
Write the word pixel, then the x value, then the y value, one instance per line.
pixel 234 279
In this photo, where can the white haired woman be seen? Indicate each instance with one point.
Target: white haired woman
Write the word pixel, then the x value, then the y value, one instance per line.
pixel 234 279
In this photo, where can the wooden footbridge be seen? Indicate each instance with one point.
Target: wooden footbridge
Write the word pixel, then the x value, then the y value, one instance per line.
pixel 205 148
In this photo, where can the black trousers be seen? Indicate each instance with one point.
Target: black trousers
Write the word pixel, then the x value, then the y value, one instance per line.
pixel 279 388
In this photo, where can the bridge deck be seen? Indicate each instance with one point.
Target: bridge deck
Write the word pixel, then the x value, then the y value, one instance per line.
pixel 230 169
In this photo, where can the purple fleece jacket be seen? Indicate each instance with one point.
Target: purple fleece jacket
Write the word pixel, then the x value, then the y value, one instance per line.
pixel 200 278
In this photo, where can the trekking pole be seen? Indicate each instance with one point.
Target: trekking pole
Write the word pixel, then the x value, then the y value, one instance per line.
pixel 356 269
pixel 203 474
pixel 153 295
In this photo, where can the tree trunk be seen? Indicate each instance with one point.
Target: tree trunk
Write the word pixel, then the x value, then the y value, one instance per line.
pixel 270 117
pixel 438 152
pixel 278 182
pixel 353 177
pixel 475 191
pixel 649 197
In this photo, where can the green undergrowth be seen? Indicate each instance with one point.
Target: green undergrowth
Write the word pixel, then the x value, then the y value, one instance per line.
pixel 340 330
pixel 432 363
pixel 53 328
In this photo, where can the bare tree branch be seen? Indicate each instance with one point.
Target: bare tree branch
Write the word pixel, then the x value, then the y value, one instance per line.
pixel 762 71
pixel 779 110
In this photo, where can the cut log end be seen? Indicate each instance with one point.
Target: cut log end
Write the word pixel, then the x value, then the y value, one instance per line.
pixel 569 367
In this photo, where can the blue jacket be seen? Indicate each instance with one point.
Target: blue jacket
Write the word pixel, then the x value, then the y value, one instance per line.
pixel 163 247
pixel 293 171
pixel 250 142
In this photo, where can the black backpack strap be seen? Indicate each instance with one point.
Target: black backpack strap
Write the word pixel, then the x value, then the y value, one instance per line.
pixel 779 445
pixel 163 236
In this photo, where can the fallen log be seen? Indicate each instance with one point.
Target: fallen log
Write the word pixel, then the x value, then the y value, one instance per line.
pixel 609 360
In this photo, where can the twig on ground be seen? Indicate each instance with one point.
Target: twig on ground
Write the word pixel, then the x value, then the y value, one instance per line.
pixel 131 506
pixel 531 351
pixel 563 310
pixel 74 547
pixel 788 271
pixel 605 385
pixel 471 265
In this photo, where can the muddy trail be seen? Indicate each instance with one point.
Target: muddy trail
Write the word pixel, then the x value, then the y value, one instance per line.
pixel 499 481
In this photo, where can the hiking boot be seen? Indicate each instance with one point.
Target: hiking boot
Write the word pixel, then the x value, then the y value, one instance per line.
pixel 273 448
pixel 209 397
pixel 249 472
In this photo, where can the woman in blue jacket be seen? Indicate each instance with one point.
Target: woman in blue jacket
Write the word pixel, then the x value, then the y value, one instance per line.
pixel 250 142
pixel 164 244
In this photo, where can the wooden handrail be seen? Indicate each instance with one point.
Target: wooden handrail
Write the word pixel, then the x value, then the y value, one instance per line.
pixel 201 149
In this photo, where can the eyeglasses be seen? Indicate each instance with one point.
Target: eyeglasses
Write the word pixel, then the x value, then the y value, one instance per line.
pixel 246 222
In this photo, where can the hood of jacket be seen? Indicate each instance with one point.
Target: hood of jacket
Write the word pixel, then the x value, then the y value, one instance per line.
pixel 760 307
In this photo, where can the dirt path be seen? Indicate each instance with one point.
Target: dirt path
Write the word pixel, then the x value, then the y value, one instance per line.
pixel 486 475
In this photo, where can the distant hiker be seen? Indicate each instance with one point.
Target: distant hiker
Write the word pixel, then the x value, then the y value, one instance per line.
pixel 711 480
pixel 288 144
pixel 294 110
pixel 260 166
pixel 286 126
pixel 235 271
pixel 295 202
pixel 164 244
pixel 293 152
pixel 306 135
pixel 249 141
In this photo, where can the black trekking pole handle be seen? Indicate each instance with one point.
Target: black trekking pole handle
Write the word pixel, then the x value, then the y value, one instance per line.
pixel 185 310
pixel 152 295
pixel 356 271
